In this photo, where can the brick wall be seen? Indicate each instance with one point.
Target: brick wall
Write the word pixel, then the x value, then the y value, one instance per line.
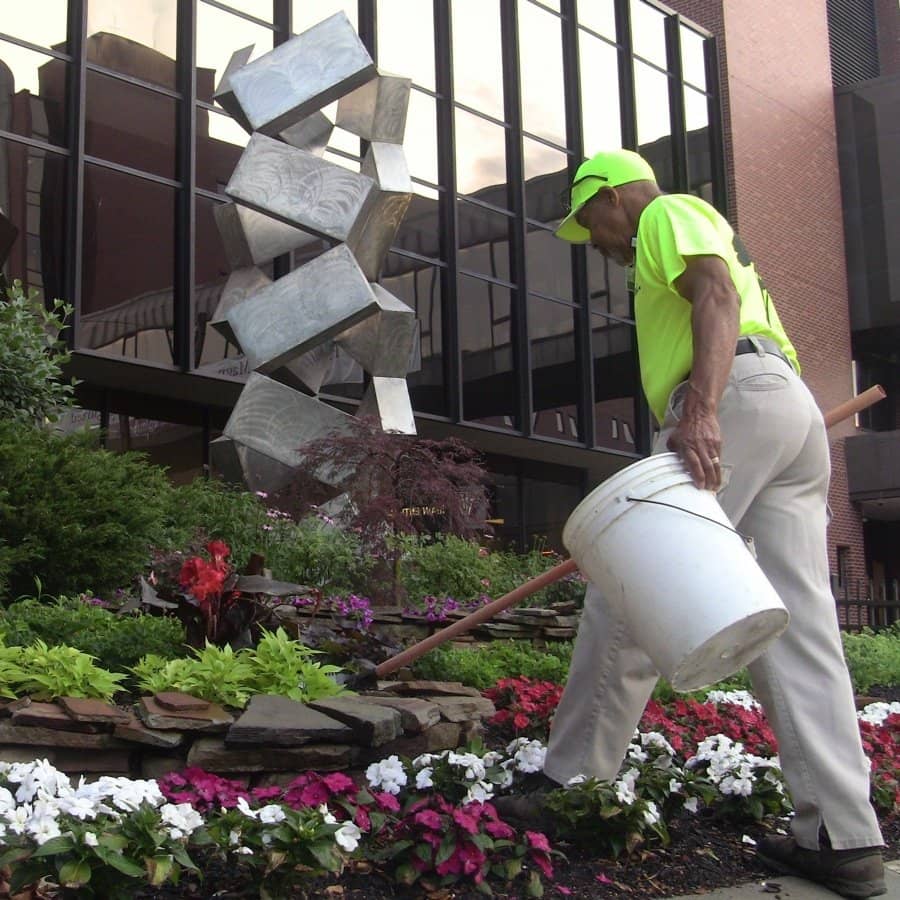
pixel 784 194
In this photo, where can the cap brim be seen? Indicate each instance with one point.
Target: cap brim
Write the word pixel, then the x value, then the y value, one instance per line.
pixel 569 230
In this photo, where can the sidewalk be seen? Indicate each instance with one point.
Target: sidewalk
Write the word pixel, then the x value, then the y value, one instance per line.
pixel 794 888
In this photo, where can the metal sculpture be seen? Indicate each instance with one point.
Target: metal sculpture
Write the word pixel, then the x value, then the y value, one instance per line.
pixel 287 197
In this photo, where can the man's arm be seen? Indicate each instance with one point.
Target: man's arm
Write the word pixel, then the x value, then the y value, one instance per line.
pixel 715 324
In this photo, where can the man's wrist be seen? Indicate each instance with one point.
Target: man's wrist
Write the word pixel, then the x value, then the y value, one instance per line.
pixel 698 401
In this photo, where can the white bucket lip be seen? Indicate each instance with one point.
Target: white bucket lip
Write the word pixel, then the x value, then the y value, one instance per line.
pixel 663 470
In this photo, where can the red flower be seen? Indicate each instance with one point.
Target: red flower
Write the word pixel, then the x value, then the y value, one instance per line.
pixel 538 840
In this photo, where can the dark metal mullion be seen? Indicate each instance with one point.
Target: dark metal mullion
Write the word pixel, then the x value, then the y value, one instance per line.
pixel 584 361
pixel 676 103
pixel 75 125
pixel 282 17
pixel 448 218
pixel 716 139
pixel 515 186
pixel 626 75
pixel 185 216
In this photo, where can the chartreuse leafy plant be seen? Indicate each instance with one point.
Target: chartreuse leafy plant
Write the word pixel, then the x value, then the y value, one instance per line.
pixel 45 673
pixel 278 665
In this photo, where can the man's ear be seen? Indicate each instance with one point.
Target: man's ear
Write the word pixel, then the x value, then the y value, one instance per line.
pixel 609 195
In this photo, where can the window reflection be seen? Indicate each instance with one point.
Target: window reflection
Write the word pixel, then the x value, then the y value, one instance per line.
pixel 177 447
pixel 420 139
pixel 41 22
pixel 548 504
pixel 480 153
pixel 546 181
pixel 651 90
pixel 32 94
pixel 259 9
pixel 219 34
pixel 33 197
pixel 548 263
pixel 607 286
pixel 543 93
pixel 406 40
pixel 477 56
pixel 130 125
pixel 615 384
pixel 123 36
pixel 127 267
pixel 599 16
pixel 220 143
pixel 483 237
pixel 693 57
pixel 648 32
pixel 699 150
pixel 420 288
pixel 600 111
pixel 419 231
pixel 554 375
pixel 306 13
pixel 485 329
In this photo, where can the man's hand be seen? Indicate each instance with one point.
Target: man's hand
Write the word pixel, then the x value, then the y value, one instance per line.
pixel 698 441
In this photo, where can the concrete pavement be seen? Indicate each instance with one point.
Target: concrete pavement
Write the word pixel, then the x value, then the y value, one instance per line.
pixel 784 887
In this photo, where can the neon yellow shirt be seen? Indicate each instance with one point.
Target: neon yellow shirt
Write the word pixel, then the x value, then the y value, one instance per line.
pixel 672 227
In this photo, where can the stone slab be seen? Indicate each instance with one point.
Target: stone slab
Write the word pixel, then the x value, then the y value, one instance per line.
pixel 87 710
pixel 134 731
pixel 440 688
pixel 560 634
pixel 50 737
pixel 372 725
pixel 443 736
pixel 75 762
pixel 213 718
pixel 282 722
pixel 176 701
pixel 49 715
pixel 462 709
pixel 158 766
pixel 212 755
pixel 8 707
pixel 415 714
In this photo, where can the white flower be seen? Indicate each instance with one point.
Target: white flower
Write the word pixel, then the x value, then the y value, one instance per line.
pixel 876 713
pixel 737 698
pixel 244 850
pixel 651 813
pixel 43 828
pixel 658 741
pixel 635 754
pixel 423 778
pixel 18 818
pixel 7 801
pixel 424 760
pixel 234 837
pixel 470 762
pixel 272 814
pixel 746 839
pixel 182 818
pixel 244 808
pixel 327 817
pixel 576 779
pixel 691 804
pixel 481 791
pixel 347 836
pixel 388 774
pixel 674 786
pixel 78 807
pixel 530 756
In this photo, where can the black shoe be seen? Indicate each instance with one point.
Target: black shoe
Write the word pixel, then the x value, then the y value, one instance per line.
pixel 851 873
pixel 528 810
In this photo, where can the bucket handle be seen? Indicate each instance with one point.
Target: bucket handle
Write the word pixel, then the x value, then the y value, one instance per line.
pixel 745 538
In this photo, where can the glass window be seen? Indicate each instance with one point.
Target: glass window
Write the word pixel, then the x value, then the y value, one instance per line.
pixel 548 263
pixel 259 9
pixel 130 125
pixel 136 38
pixel 483 240
pixel 406 40
pixel 543 92
pixel 419 286
pixel 420 138
pixel 607 286
pixel 485 330
pixel 219 34
pixel 616 384
pixel 307 13
pixel 554 374
pixel 696 107
pixel 546 181
pixel 478 56
pixel 419 231
pixel 548 505
pixel 693 57
pixel 600 111
pixel 177 447
pixel 33 197
pixel 220 143
pixel 127 306
pixel 41 22
pixel 32 94
pixel 648 33
pixel 654 128
pixel 599 16
pixel 480 157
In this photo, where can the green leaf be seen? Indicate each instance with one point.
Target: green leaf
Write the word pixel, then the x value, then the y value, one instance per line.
pixel 74 873
pixel 181 854
pixel 14 855
pixel 325 854
pixel 406 874
pixel 445 851
pixel 535 887
pixel 158 869
pixel 119 862
pixel 54 846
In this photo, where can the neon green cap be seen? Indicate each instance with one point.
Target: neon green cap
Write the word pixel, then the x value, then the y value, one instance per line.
pixel 609 168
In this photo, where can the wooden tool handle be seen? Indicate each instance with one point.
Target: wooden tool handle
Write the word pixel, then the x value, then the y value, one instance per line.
pixel 854 405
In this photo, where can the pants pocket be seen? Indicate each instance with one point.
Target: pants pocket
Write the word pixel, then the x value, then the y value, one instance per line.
pixel 762 381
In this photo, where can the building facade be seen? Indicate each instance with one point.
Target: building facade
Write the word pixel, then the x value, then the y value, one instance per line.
pixel 113 157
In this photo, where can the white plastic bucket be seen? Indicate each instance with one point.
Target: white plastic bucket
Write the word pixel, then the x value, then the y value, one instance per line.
pixel 665 554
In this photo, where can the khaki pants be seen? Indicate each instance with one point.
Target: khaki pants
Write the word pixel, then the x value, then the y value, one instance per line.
pixel 776 459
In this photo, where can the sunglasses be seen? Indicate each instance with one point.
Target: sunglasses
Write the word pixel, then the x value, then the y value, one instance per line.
pixel 565 198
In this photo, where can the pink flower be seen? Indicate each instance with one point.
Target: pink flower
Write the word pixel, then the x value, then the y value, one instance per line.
pixel 339 783
pixel 563 890
pixel 465 821
pixel 497 829
pixel 387 802
pixel 429 818
pixel 542 861
pixel 538 840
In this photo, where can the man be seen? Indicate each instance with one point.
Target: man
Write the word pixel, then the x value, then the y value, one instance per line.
pixel 722 378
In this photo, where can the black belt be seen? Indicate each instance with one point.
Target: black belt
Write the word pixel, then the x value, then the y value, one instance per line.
pixel 745 345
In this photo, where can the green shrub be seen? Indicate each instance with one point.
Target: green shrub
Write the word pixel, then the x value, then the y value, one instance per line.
pixel 496 660
pixel 117 641
pixel 78 518
pixel 31 356
pixel 873 657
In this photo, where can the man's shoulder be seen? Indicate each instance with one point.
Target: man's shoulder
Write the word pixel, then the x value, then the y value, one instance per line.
pixel 681 203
